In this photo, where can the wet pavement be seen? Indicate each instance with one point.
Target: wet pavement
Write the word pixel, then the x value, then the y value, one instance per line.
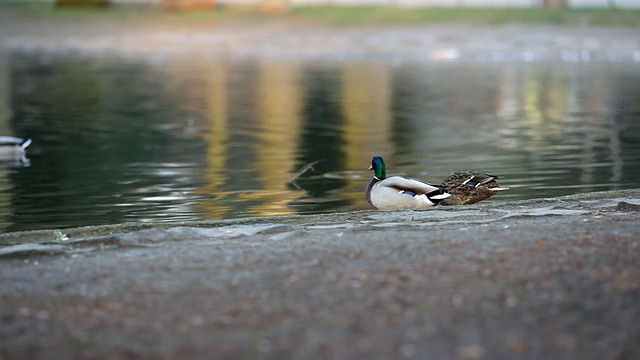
pixel 550 278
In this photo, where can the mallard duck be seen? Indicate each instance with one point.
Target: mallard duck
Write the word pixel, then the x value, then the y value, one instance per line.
pixel 469 187
pixel 397 192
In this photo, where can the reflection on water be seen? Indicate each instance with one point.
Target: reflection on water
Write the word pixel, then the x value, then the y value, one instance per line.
pixel 123 140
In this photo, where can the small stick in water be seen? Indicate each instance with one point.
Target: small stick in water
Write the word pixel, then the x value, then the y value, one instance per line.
pixel 303 170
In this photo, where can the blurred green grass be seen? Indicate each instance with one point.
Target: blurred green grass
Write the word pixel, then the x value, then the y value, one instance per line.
pixel 470 15
pixel 347 15
pixel 476 16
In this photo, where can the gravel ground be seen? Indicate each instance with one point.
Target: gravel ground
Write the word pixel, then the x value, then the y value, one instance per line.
pixel 545 279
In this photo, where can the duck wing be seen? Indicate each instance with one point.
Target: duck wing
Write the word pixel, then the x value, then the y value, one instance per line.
pixel 470 178
pixel 10 140
pixel 413 186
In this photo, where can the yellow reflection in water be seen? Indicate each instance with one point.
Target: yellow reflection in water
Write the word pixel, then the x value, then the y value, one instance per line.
pixel 557 94
pixel 280 96
pixel 217 141
pixel 366 93
pixel 533 116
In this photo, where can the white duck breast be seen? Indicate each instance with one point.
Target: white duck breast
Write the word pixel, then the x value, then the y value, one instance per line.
pixel 398 192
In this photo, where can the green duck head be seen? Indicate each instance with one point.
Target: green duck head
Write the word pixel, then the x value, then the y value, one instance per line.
pixel 378 167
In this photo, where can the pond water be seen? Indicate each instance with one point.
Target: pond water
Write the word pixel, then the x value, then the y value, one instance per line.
pixel 161 140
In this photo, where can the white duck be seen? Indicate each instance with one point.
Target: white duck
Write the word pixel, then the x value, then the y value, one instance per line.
pixel 398 192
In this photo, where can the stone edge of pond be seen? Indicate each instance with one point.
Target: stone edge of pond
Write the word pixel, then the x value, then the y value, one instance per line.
pixel 582 200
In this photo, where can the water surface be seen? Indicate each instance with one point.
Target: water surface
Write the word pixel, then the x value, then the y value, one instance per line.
pixel 160 140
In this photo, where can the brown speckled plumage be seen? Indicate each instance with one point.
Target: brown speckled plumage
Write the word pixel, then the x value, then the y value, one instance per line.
pixel 469 187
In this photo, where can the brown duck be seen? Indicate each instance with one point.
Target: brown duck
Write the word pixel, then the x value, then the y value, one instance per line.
pixel 469 187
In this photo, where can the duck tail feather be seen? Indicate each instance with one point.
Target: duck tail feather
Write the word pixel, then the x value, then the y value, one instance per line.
pixel 25 144
pixel 440 196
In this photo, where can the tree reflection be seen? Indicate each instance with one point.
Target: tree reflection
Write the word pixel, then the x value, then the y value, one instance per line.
pixel 321 136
